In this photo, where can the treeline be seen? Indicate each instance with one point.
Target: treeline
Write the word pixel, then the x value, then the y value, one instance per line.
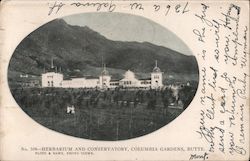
pixel 57 98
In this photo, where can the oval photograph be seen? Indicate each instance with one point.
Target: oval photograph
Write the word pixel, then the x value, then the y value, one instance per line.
pixel 103 76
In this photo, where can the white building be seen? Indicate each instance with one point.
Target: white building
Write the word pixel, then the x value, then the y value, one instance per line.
pixel 156 77
pixel 129 80
pixel 104 79
pixel 55 79
pixel 52 78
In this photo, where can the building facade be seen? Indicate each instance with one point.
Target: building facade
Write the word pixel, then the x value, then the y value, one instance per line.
pixel 53 78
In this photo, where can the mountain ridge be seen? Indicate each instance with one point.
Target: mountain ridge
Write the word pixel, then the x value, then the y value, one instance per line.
pixel 81 48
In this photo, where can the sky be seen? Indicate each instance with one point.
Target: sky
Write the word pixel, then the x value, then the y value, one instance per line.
pixel 126 27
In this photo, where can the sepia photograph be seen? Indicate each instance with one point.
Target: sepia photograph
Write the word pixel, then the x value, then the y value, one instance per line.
pixel 103 76
pixel 124 80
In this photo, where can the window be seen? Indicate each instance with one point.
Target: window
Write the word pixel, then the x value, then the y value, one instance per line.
pixel 52 84
pixel 127 82
pixel 48 83
pixel 156 77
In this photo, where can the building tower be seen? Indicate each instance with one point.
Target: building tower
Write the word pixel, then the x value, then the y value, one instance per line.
pixel 52 78
pixel 156 77
pixel 104 78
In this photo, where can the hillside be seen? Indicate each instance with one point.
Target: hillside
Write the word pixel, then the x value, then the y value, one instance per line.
pixel 79 51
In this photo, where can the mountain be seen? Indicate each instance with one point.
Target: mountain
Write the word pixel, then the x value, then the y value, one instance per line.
pixel 79 51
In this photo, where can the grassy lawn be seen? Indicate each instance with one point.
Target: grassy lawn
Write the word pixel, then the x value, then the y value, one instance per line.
pixel 100 118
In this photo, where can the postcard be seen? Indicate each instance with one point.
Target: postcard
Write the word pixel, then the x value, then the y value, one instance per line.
pixel 124 80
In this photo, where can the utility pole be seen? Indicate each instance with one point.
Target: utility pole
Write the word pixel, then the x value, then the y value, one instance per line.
pixel 117 130
pixel 130 121
pixel 102 73
pixel 52 63
pixel 98 123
